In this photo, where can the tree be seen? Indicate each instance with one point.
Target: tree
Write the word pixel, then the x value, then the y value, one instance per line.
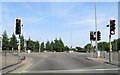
pixel 103 46
pixel 114 45
pixel 42 47
pixel 48 48
pixel 88 48
pixel 52 46
pixel 118 44
pixel 5 41
pixel 30 44
pixel 56 45
pixel 66 48
pixel 61 45
pixel 36 43
pixel 13 42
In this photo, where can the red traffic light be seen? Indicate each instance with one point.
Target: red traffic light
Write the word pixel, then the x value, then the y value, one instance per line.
pixel 18 26
pixel 18 20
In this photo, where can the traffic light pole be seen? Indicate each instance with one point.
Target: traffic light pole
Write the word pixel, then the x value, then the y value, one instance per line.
pixel 110 51
pixel 97 52
pixel 92 50
pixel 19 45
pixel 112 32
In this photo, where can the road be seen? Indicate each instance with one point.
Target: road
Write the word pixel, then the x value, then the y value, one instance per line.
pixel 57 62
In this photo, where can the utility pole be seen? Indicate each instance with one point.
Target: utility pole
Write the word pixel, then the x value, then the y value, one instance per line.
pixel 97 52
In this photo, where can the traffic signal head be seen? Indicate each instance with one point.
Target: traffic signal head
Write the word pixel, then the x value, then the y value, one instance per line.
pixel 98 36
pixel 112 27
pixel 92 36
pixel 18 26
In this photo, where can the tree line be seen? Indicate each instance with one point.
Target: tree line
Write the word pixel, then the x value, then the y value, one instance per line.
pixel 11 43
pixel 105 46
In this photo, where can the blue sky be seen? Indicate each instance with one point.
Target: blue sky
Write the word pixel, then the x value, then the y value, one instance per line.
pixel 50 20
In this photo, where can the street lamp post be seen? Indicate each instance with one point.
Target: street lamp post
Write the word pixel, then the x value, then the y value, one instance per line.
pixel 97 52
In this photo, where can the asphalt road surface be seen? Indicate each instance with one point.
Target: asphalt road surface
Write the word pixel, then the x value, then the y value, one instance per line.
pixel 57 62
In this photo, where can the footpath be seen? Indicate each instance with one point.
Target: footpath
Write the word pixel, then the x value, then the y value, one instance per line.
pixel 15 66
pixel 103 60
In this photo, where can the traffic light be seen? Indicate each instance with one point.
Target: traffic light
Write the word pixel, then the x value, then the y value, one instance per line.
pixel 92 36
pixel 112 27
pixel 18 26
pixel 98 36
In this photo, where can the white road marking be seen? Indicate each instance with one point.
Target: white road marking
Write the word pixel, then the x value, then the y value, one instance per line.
pixel 63 71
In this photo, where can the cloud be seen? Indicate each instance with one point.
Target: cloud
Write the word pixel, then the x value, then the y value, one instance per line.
pixel 31 20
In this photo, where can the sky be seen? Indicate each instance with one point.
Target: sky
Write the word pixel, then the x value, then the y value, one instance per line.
pixel 70 21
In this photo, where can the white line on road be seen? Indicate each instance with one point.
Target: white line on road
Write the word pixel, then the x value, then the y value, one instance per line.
pixel 68 71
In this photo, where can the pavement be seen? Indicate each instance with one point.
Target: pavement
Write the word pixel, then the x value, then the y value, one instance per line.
pixel 8 59
pixel 11 61
pixel 23 65
pixel 103 60
pixel 61 62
